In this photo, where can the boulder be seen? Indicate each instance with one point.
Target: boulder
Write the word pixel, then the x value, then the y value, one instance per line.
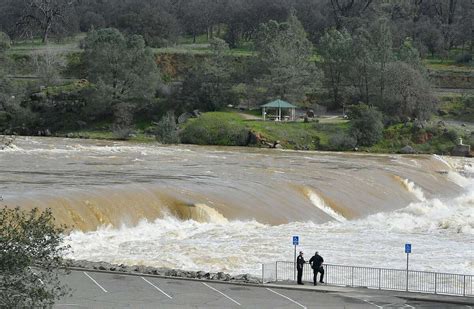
pixel 254 138
pixel 184 117
pixel 200 274
pixel 407 150
pixel 196 113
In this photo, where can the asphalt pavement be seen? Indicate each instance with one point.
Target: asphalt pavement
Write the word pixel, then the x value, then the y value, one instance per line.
pixel 113 290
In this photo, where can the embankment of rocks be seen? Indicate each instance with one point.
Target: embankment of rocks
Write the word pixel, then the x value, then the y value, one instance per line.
pixel 168 272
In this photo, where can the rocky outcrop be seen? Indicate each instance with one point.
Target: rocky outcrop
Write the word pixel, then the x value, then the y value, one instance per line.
pixel 160 271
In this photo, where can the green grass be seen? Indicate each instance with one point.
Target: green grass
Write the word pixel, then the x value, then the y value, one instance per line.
pixel 200 49
pixel 213 128
pixel 434 139
pixel 108 135
pixel 457 107
pixel 28 47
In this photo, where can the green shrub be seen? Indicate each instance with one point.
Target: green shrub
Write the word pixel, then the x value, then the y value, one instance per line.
pixel 215 129
pixel 468 101
pixel 166 130
pixel 451 135
pixel 342 141
pixel 366 125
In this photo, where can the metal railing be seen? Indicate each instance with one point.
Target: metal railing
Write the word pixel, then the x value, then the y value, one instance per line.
pixel 376 278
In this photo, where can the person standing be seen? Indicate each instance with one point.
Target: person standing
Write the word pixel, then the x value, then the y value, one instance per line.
pixel 316 263
pixel 299 267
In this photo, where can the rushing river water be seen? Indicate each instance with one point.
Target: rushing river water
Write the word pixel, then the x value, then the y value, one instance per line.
pixel 230 209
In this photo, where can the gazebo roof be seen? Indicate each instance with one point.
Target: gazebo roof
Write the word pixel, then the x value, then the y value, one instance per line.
pixel 279 104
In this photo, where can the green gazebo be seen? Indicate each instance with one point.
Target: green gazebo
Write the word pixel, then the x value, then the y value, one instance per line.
pixel 279 105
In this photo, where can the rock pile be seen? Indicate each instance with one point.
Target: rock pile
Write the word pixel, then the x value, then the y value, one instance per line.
pixel 168 272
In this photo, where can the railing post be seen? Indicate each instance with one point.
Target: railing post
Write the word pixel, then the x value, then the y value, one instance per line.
pixel 263 271
pixel 407 281
pixel 464 286
pixel 352 276
pixel 276 271
pixel 436 283
pixel 380 278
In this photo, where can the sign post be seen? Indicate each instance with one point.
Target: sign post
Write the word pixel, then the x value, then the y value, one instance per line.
pixel 296 242
pixel 407 251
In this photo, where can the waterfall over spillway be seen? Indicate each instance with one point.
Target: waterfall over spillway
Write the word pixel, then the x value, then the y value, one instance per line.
pixel 230 208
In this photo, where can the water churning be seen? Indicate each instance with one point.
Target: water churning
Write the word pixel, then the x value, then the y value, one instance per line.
pixel 208 208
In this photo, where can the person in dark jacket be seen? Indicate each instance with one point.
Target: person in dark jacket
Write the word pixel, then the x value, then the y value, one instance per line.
pixel 316 263
pixel 299 267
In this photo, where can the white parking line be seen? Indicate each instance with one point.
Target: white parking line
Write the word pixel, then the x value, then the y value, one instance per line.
pixel 293 301
pixel 105 291
pixel 371 303
pixel 221 293
pixel 157 288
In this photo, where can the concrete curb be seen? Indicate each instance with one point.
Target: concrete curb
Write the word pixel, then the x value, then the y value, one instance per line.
pixel 450 299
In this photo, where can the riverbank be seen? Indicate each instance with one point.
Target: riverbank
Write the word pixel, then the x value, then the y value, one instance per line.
pixel 232 128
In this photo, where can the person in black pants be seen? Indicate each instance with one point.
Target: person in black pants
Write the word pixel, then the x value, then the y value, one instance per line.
pixel 299 267
pixel 316 263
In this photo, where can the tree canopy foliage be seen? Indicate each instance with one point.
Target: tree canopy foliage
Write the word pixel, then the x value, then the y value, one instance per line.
pixel 122 68
pixel 434 25
pixel 31 253
pixel 284 55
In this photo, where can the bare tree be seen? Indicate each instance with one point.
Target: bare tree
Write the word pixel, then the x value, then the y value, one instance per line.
pixel 348 8
pixel 48 65
pixel 44 14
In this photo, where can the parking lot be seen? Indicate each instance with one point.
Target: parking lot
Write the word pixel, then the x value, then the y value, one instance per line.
pixel 109 290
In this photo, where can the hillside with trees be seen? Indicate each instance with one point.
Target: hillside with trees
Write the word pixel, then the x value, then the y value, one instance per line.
pixel 399 73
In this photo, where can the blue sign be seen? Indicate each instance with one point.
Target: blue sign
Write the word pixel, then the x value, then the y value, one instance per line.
pixel 296 240
pixel 407 248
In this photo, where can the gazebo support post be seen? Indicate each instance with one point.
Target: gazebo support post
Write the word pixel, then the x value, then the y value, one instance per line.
pixel 279 114
pixel 263 113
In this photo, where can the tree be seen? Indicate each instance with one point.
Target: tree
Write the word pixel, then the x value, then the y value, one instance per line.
pixel 5 42
pixel 335 49
pixel 157 26
pixel 45 14
pixel 284 54
pixel 428 35
pixel 208 85
pixel 381 41
pixel 366 124
pixel 409 92
pixel 122 69
pixel 167 130
pixel 410 55
pixel 48 65
pixel 217 72
pixel 31 255
pixel 361 68
pixel 343 9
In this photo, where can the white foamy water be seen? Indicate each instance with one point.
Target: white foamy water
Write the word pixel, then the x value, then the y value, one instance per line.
pixel 440 231
pixel 320 204
pixel 417 192
pixel 380 201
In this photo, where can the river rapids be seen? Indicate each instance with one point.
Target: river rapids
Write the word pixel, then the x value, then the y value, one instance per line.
pixel 231 209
